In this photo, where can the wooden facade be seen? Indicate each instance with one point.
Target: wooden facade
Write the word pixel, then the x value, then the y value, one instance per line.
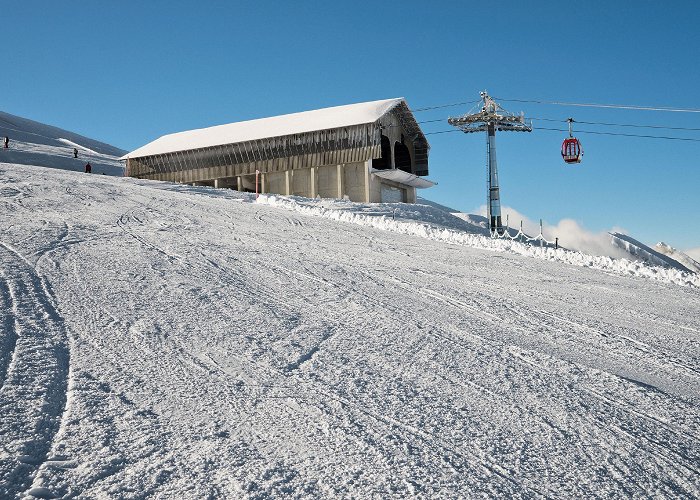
pixel 232 164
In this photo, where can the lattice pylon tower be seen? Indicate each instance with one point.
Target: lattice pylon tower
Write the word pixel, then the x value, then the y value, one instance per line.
pixel 491 118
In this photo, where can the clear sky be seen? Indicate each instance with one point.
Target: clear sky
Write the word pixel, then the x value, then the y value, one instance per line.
pixel 126 72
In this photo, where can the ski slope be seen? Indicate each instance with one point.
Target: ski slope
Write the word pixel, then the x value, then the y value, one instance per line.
pixel 168 341
pixel 34 143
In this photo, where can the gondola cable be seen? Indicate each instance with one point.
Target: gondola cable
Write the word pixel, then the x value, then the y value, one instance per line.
pixel 608 124
pixel 577 104
pixel 591 132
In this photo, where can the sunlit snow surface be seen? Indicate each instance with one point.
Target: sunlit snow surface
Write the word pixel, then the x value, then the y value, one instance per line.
pixel 34 143
pixel 175 342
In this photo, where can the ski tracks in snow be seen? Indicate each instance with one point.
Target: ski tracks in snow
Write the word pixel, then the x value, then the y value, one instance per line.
pixel 34 388
pixel 238 350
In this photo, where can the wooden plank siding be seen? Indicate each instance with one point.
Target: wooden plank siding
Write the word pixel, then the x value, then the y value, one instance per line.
pixel 276 154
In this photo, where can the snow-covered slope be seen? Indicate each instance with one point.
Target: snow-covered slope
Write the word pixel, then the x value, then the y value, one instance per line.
pixel 476 224
pixel 614 244
pixel 34 143
pixel 678 256
pixel 645 253
pixel 167 341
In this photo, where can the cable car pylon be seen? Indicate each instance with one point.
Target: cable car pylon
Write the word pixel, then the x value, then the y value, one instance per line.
pixel 492 117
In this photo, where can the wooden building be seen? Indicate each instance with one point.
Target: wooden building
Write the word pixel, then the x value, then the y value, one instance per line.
pixel 367 152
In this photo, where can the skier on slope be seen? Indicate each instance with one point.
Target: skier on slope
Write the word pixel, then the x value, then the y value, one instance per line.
pixel 88 168
pixel 7 142
pixel 75 152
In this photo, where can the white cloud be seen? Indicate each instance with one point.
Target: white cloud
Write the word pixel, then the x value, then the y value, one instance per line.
pixel 570 233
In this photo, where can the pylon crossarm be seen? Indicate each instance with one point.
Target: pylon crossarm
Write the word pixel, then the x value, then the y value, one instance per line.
pixel 487 118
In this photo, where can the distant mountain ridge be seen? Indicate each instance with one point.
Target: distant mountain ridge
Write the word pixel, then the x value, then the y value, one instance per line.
pixel 647 254
pixel 678 256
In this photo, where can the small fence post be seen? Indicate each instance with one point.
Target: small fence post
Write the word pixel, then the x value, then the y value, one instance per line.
pixel 556 243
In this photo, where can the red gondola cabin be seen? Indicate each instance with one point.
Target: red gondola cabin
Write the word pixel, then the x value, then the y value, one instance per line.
pixel 571 150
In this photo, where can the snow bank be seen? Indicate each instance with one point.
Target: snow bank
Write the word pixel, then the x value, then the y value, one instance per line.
pixel 603 263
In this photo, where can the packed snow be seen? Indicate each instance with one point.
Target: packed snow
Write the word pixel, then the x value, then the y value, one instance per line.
pixel 378 215
pixel 169 341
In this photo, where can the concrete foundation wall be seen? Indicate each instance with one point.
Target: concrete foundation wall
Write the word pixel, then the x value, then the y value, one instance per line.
pixel 301 185
pixel 328 182
pixel 275 183
pixel 354 185
pixel 352 180
pixel 247 183
pixel 375 189
pixel 411 195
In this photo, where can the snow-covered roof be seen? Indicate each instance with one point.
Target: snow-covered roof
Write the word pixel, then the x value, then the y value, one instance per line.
pixel 409 179
pixel 275 126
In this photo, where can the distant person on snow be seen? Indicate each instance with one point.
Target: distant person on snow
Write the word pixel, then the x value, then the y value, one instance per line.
pixel 75 152
pixel 88 168
pixel 7 142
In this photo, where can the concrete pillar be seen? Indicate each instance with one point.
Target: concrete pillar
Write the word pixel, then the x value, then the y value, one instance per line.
pixel 367 175
pixel 313 181
pixel 411 195
pixel 287 182
pixel 263 182
pixel 218 183
pixel 339 176
pixel 239 183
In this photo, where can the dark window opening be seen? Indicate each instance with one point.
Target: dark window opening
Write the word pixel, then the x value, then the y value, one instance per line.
pixel 402 157
pixel 420 151
pixel 385 161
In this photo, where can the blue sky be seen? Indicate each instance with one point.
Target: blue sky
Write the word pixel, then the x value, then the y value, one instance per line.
pixel 127 72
